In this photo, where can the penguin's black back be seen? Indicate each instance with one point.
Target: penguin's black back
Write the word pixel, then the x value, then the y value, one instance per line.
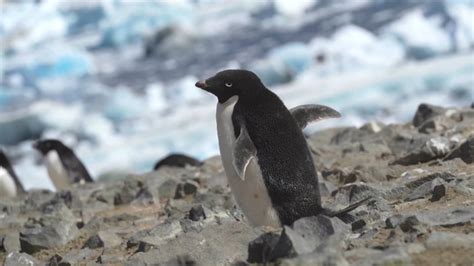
pixel 73 165
pixel 177 160
pixel 283 155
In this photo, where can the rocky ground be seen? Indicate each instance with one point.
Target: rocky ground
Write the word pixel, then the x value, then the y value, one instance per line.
pixel 419 175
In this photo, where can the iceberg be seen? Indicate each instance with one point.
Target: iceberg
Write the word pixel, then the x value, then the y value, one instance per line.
pixel 423 36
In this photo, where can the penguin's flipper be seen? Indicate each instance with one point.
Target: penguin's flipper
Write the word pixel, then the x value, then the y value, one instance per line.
pixel 305 114
pixel 243 152
pixel 344 214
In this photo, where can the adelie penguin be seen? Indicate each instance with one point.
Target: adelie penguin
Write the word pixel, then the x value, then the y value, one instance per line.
pixel 177 160
pixel 64 168
pixel 10 185
pixel 264 152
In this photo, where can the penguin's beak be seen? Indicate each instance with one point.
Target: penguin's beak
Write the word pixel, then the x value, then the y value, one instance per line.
pixel 201 84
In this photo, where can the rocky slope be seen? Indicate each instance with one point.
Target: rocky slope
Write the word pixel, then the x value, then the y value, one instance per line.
pixel 419 175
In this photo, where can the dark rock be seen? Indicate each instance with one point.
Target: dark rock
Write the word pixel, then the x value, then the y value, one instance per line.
pixel 393 221
pixel 359 224
pixel 259 250
pixel 94 242
pixel 144 247
pixel 438 190
pixel 465 151
pixel 197 213
pixel 68 198
pixel 177 160
pixel 408 224
pixel 306 234
pixel 36 199
pixel 434 148
pixel 11 242
pixel 55 260
pixel 147 196
pixel 20 259
pixel 118 193
pixel 436 124
pixel 425 112
pixel 128 192
pixel 188 188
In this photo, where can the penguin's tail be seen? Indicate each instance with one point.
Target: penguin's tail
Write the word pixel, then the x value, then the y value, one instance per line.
pixel 344 214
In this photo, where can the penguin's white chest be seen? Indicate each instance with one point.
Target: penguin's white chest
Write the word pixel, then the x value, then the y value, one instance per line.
pixel 7 184
pixel 56 171
pixel 250 193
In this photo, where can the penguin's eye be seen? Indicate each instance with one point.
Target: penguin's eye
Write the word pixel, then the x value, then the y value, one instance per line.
pixel 228 84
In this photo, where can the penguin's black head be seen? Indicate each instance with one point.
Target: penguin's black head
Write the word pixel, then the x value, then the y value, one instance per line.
pixel 228 83
pixel 4 162
pixel 47 145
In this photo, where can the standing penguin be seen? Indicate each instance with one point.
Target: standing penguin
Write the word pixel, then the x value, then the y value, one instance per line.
pixel 264 152
pixel 10 185
pixel 64 168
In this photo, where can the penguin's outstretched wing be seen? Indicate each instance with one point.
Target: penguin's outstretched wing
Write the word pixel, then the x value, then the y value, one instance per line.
pixel 75 169
pixel 305 114
pixel 243 152
pixel 344 214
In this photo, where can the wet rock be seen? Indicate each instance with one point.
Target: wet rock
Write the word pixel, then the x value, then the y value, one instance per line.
pixel 11 242
pixel 450 240
pixel 197 213
pixel 20 259
pixel 425 112
pixel 465 151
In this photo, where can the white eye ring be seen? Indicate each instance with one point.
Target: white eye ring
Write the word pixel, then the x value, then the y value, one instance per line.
pixel 228 84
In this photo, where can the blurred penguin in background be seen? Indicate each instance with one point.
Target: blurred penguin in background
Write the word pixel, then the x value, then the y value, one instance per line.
pixel 177 160
pixel 64 167
pixel 10 185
